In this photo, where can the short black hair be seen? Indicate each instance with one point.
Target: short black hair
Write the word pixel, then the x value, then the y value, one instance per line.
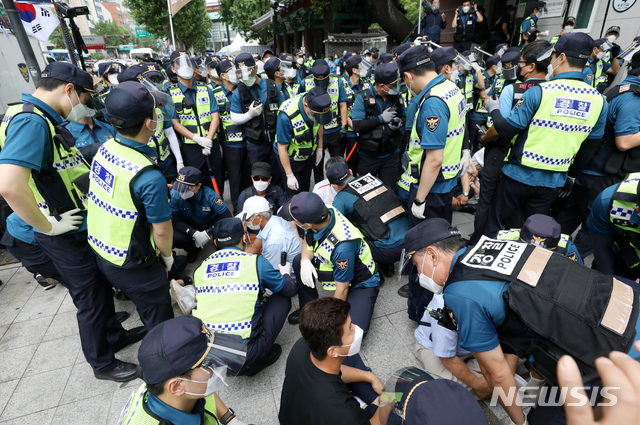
pixel 439 68
pixel 232 242
pixel 576 63
pixel 634 71
pixel 321 323
pixel 450 245
pixel 531 52
pixel 131 131
pixel 333 161
pixel 50 84
pixel 158 389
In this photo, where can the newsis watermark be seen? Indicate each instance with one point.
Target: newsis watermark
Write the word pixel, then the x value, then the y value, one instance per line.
pixel 554 396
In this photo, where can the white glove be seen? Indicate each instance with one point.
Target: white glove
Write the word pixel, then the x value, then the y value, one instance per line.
pixel 292 182
pixel 418 211
pixel 286 269
pixel 201 239
pixel 236 421
pixel 388 115
pixel 168 262
pixel 476 67
pixel 492 103
pixel 203 141
pixel 206 151
pixel 180 166
pixel 464 161
pixel 68 222
pixel 308 273
pixel 254 111
pixel 319 156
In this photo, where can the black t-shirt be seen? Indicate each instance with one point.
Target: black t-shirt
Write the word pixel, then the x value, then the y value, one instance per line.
pixel 313 397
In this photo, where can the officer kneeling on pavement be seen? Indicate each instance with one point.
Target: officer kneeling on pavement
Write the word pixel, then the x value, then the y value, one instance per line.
pixel 337 255
pixel 195 210
pixel 183 368
pixel 375 209
pixel 244 295
pixel 509 299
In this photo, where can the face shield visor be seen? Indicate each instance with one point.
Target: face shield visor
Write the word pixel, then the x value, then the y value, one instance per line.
pixel 364 67
pixel 321 118
pixel 183 67
pixel 463 63
pixel 396 393
pixel 247 74
pixel 113 78
pixel 95 106
pixel 233 75
pixel 163 100
pixel 287 69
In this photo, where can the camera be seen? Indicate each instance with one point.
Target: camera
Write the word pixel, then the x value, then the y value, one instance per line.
pixel 71 12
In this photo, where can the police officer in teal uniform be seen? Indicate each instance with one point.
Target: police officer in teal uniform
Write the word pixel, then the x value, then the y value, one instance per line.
pixel 275 71
pixel 532 20
pixel 567 27
pixel 90 133
pixel 291 83
pixel 598 68
pixel 301 69
pixel 479 115
pixel 355 83
pixel 564 108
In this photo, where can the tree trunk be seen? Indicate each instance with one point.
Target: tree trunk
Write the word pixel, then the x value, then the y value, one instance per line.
pixel 328 19
pixel 391 19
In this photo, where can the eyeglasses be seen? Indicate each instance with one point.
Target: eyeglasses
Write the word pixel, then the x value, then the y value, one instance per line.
pixel 260 179
pixel 526 63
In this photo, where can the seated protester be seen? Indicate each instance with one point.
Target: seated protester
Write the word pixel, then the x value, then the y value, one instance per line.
pixel 325 374
pixel 543 231
pixel 242 294
pixel 275 235
pixel 182 374
pixel 324 189
pixel 195 209
pixel 262 187
pixel 375 209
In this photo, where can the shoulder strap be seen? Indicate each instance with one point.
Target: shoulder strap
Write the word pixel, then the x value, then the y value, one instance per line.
pixel 272 90
pixel 274 196
pixel 620 89
pixel 245 96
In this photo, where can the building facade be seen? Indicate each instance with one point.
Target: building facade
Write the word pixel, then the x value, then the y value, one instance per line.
pixel 221 34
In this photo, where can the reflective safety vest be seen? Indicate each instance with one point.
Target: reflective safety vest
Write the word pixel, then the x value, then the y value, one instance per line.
pixel 499 85
pixel 351 93
pixel 477 99
pixel 159 142
pixel 568 111
pixel 599 76
pixel 343 230
pixel 627 240
pixel 227 288
pixel 466 87
pixel 232 132
pixel 65 184
pixel 117 231
pixel 305 140
pixel 452 97
pixel 333 90
pixel 514 235
pixel 533 25
pixel 554 39
pixel 196 121
pixel 137 412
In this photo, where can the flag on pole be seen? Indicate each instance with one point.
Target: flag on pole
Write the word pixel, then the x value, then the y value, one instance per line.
pixel 176 5
pixel 39 21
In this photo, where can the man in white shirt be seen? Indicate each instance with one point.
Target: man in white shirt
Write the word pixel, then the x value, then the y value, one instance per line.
pixel 323 188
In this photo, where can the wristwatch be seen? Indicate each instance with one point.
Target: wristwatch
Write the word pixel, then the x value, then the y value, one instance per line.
pixel 418 203
pixel 226 418
pixel 466 194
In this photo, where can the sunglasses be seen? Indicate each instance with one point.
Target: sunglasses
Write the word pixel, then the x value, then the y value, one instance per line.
pixel 260 179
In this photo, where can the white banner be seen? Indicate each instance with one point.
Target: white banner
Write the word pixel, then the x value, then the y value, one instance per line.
pixel 38 21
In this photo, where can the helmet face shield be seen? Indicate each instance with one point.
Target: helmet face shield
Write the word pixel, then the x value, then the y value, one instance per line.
pixel 182 62
pixel 245 73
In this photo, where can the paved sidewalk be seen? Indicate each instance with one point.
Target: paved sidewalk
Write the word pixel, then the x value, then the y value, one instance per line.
pixel 44 378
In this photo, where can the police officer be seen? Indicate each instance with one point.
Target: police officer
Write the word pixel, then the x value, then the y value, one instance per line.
pixel 182 374
pixel 195 209
pixel 336 255
pixel 129 220
pixel 214 78
pixel 254 106
pixel 543 231
pixel 598 68
pixel 244 295
pixel 479 115
pixel 299 137
pixel 538 165
pixel 262 186
pixel 532 20
pixel 463 23
pixel 274 71
pixel 529 36
pixel 196 116
pixel 335 132
pixel 291 84
pixel 30 181
pixel 375 209
pixel 470 77
pixel 109 72
pixel 302 70
pixel 567 27
pixel 90 133
pixel 201 73
pixel 435 148
pixel 354 84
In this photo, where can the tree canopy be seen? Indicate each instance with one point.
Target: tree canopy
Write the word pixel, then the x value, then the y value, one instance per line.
pixel 240 15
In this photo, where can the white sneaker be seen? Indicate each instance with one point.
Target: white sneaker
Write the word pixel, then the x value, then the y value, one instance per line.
pixel 184 296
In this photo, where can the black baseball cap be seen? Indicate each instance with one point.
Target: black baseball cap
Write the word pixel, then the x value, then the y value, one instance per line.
pixel 151 69
pixel 442 56
pixel 133 73
pixel 540 5
pixel 493 60
pixel 575 45
pixel 188 177
pixel 386 58
pixel 541 230
pixel 570 20
pixel 635 61
pixel 337 173
pixel 69 73
pixel 244 59
pixel 271 66
pixel 320 71
pixel 353 61
pixel 415 56
pixel 307 207
pixel 224 66
pixel 132 103
pixel 228 229
pixel 262 169
pixel 427 233
pixel 386 73
pixel 613 30
pixel 320 104
pixel 403 48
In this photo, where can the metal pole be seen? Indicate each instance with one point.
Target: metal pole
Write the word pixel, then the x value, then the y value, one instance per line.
pixel 173 37
pixel 23 40
pixel 419 15
pixel 275 26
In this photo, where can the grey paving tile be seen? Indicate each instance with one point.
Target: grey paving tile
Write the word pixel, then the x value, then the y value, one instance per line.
pixel 378 311
pixel 466 229
pixel 82 384
pixel 67 304
pixel 242 387
pixel 388 298
pixel 404 326
pixel 256 409
pixel 461 218
pixel 384 365
pixel 6 390
pixel 88 411
pixel 7 272
pixel 382 338
pixel 46 388
pixel 43 417
pixel 3 329
pixel 63 325
pixel 25 333
pixel 276 370
pixel 42 304
pixel 52 355
pixel 8 312
pixel 289 333
pixel 118 401
pixel 14 362
pixel 277 396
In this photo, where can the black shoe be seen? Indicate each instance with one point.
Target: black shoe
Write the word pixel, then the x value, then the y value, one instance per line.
pixel 122 316
pixel 470 209
pixel 133 335
pixel 382 279
pixel 273 357
pixel 294 317
pixel 179 264
pixel 43 281
pixel 123 372
pixel 388 270
pixel 192 255
pixel 404 291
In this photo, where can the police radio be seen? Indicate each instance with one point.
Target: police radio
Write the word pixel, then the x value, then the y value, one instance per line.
pixel 445 318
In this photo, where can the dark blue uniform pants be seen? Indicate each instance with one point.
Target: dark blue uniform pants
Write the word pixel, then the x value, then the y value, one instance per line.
pixel 238 168
pixel 494 160
pixel 91 293
pixel 302 170
pixel 362 299
pixel 333 143
pixel 147 287
pixel 385 255
pixel 32 257
pixel 193 157
pixel 437 205
pixel 386 169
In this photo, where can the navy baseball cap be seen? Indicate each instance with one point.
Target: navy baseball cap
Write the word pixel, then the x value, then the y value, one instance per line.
pixel 151 69
pixel 374 49
pixel 132 103
pixel 541 5
pixel 287 57
pixel 386 73
pixel 269 51
pixel 244 59
pixel 177 53
pixel 442 56
pixel 69 73
pixel 107 67
pixel 228 229
pixel 320 72
pixel 297 52
pixel 348 55
pixel 575 45
pixel 570 20
pixel 427 233
pixel 530 31
pixel 600 44
pixel 271 66
pixel 188 177
pixel 510 58
pixel 403 48
pixel 319 103
pixel 493 60
pixel 224 66
pixel 133 73
pixel 386 58
pixel 211 61
pixel 415 56
pixel 635 60
pixel 307 207
pixel 613 30
pixel 353 61
pixel 501 48
pixel 337 173
pixel 541 230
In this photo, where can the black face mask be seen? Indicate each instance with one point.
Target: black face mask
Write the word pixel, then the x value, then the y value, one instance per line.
pixel 519 75
pixel 375 56
pixel 533 38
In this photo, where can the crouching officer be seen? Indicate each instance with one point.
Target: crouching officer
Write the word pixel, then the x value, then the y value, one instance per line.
pixel 543 231
pixel 195 209
pixel 337 255
pixel 375 209
pixel 379 117
pixel 129 220
pixel 244 295
pixel 183 367
pixel 506 300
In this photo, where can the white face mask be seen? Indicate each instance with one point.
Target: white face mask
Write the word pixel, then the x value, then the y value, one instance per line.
pixel 261 186
pixel 300 61
pixel 185 72
pixel 499 69
pixel 465 9
pixel 454 76
pixel 249 81
pixel 550 69
pixel 611 38
pixel 427 282
pixel 568 28
pixel 355 345
pixel 78 111
pixel 91 112
pixel 252 226
pixel 187 195
pixel 214 73
pixel 215 382
pixel 153 130
pixel 539 15
pixel 289 73
pixel 435 7
pixel 113 79
pixel 99 87
pixel 600 55
pixel 233 78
